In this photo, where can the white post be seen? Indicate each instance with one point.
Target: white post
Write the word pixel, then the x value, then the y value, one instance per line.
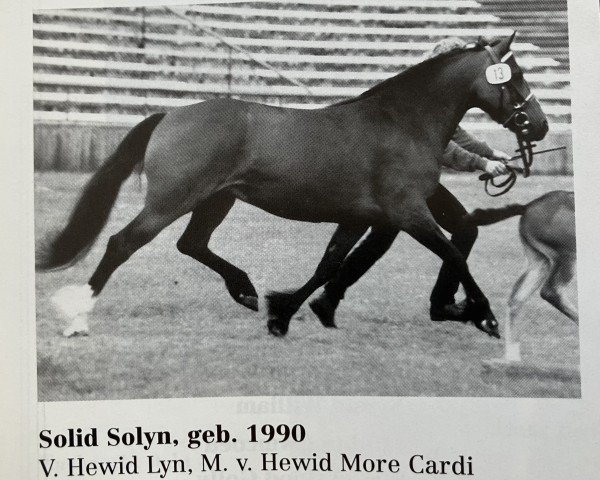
pixel 512 350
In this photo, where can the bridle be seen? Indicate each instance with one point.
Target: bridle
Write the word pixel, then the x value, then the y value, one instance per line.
pixel 518 118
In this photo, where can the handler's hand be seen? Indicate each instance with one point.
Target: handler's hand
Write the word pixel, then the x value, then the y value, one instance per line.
pixel 500 156
pixel 495 168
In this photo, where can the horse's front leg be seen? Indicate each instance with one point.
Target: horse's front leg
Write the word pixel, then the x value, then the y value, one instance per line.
pixel 418 222
pixel 283 305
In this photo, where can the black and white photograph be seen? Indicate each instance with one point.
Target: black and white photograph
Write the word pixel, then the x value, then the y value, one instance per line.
pixel 366 198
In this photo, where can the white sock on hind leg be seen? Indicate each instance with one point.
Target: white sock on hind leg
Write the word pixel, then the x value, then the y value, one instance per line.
pixel 79 326
pixel 74 302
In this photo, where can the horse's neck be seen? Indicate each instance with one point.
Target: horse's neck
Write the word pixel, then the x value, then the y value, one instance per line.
pixel 435 104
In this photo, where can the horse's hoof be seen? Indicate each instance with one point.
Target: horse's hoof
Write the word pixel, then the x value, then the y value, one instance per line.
pixel 243 292
pixel 248 301
pixel 280 312
pixel 70 333
pixel 279 305
pixel 324 311
pixel 277 328
pixel 483 317
pixel 489 326
pixel 78 327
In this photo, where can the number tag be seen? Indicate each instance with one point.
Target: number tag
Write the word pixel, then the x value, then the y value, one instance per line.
pixel 498 73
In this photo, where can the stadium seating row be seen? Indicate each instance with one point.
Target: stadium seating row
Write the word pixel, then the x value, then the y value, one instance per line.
pixel 119 64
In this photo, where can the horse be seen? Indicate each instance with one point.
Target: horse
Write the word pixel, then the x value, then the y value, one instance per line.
pixel 547 232
pixel 367 162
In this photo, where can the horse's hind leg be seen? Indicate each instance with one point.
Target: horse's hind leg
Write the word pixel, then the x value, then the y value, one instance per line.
pixel 537 272
pixel 79 301
pixel 194 242
pixel 283 305
pixel 554 290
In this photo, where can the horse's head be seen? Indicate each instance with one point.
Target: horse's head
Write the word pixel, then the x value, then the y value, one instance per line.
pixel 502 92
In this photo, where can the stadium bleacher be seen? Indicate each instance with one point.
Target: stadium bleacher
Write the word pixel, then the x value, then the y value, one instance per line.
pixel 117 65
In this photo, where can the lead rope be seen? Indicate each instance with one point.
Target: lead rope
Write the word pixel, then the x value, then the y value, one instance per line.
pixel 506 184
pixel 511 179
pixel 509 182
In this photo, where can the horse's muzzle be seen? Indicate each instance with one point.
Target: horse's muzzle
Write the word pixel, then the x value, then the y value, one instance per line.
pixel 538 133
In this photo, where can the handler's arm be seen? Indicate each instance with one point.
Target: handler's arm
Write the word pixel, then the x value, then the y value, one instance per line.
pixel 458 158
pixel 471 144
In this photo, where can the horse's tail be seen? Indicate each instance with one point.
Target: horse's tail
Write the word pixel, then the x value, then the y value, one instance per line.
pixel 487 216
pixel 93 208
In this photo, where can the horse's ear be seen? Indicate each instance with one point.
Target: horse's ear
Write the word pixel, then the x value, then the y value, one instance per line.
pixel 503 45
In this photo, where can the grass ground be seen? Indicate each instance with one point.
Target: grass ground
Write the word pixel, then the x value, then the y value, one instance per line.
pixel 165 326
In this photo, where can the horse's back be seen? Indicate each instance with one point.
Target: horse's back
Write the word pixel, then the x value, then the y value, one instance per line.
pixel 227 129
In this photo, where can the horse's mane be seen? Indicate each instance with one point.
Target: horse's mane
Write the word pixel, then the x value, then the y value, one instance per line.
pixel 424 65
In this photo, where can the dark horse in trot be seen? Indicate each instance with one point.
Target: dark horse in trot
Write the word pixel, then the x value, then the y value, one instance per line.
pixel 371 161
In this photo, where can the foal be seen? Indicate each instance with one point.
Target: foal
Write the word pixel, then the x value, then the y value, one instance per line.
pixel 547 230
